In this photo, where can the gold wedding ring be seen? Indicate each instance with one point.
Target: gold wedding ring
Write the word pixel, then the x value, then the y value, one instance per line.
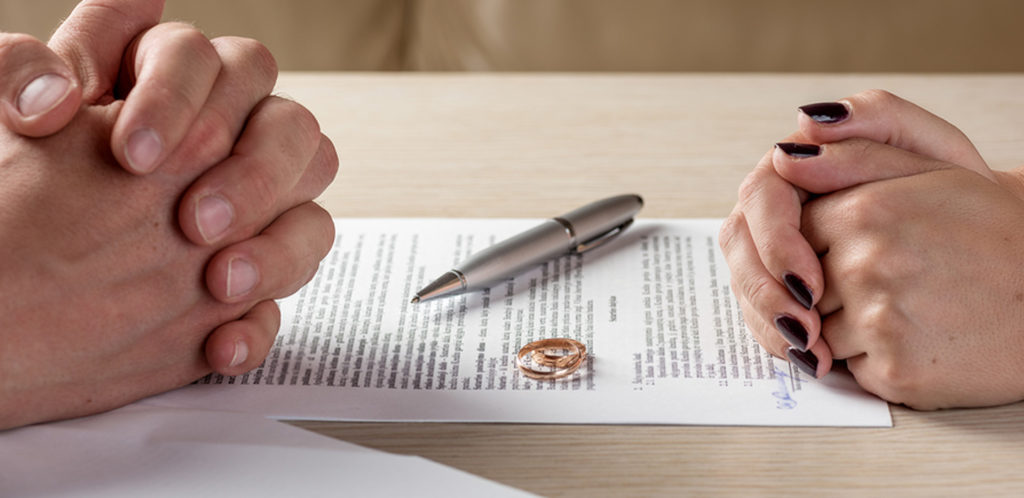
pixel 548 359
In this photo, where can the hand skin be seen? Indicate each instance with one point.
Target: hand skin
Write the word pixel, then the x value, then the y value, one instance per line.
pixel 193 94
pixel 925 289
pixel 102 299
pixel 920 241
pixel 268 178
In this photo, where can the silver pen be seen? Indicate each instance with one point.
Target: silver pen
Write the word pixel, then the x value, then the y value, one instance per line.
pixel 574 232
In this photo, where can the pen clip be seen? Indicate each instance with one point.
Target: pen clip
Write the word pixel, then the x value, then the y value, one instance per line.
pixel 604 237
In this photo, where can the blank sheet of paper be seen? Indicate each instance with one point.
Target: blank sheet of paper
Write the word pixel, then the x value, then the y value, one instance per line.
pixel 666 338
pixel 159 452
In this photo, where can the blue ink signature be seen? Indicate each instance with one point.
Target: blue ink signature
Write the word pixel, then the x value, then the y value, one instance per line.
pixel 783 400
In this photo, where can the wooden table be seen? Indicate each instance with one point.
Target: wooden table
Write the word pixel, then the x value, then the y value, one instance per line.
pixel 521 145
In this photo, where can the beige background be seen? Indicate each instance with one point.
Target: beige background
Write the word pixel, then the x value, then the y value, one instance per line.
pixel 603 35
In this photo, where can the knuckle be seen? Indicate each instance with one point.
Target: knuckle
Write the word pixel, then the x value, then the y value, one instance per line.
pixel 10 42
pixel 262 187
pixel 767 337
pixel 250 53
pixel 857 267
pixel 880 324
pixel 331 154
pixel 773 246
pixel 308 266
pixel 327 167
pixel 901 383
pixel 751 186
pixel 298 268
pixel 302 119
pixel 181 96
pixel 868 209
pixel 858 150
pixel 209 137
pixel 881 99
pixel 889 272
pixel 326 233
pixel 731 230
pixel 19 52
pixel 303 250
pixel 302 126
pixel 191 43
pixel 757 290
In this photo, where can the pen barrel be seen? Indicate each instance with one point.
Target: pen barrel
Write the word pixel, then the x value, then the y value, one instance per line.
pixel 597 218
pixel 517 254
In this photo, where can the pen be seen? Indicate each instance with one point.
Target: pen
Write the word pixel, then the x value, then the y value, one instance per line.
pixel 574 232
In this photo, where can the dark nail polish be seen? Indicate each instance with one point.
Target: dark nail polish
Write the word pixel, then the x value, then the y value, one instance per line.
pixel 792 330
pixel 799 150
pixel 799 290
pixel 826 112
pixel 804 360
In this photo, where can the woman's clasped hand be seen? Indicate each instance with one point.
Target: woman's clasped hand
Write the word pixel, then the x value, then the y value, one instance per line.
pixel 876 234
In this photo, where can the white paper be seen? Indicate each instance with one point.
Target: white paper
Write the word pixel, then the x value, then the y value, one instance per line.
pixel 666 339
pixel 159 452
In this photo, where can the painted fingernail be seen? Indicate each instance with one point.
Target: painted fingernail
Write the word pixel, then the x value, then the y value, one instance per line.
pixel 213 216
pixel 142 150
pixel 799 150
pixel 804 360
pixel 242 277
pixel 799 290
pixel 826 112
pixel 42 94
pixel 793 331
pixel 241 353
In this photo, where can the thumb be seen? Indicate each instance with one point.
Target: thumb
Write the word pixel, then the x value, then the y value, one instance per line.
pixel 94 38
pixel 839 165
pixel 882 117
pixel 39 93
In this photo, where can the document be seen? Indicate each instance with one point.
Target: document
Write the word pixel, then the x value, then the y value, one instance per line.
pixel 665 338
pixel 161 452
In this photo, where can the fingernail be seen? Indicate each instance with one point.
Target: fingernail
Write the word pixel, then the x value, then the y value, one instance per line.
pixel 42 94
pixel 241 353
pixel 793 331
pixel 826 112
pixel 242 277
pixel 799 150
pixel 142 150
pixel 804 360
pixel 213 216
pixel 799 290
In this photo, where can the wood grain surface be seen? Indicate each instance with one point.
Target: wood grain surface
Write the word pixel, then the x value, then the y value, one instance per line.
pixel 518 145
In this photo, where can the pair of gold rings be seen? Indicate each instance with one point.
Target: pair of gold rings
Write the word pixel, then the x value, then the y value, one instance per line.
pixel 549 359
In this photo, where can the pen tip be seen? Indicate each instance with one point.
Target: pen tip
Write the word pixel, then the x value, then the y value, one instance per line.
pixel 415 300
